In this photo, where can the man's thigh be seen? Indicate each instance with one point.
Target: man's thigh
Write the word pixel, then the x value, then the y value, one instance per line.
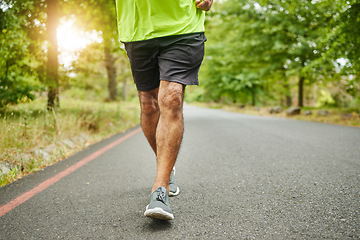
pixel 180 58
pixel 143 57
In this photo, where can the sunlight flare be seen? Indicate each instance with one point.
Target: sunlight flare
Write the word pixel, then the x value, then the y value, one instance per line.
pixel 71 40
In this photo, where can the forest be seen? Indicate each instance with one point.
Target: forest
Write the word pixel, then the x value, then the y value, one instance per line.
pixel 301 53
pixel 62 65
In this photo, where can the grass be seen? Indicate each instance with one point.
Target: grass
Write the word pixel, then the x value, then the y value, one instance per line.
pixel 346 117
pixel 32 138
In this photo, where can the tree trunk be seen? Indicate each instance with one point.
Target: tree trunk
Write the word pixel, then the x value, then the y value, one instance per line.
pixel 110 68
pixel 301 85
pixel 253 97
pixel 301 90
pixel 288 101
pixel 288 98
pixel 52 75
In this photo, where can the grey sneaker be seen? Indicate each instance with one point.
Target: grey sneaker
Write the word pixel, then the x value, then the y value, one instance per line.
pixel 159 205
pixel 174 190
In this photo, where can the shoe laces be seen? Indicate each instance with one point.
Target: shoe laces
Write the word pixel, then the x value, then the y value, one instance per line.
pixel 161 196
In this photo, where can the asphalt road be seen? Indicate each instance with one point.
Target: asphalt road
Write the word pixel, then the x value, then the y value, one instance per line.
pixel 241 177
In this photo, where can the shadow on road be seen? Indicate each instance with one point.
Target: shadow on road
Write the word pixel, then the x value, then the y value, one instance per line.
pixel 155 225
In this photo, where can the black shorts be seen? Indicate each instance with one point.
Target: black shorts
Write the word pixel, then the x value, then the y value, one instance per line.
pixel 174 58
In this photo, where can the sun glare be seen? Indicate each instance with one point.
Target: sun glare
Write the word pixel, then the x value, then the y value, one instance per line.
pixel 71 40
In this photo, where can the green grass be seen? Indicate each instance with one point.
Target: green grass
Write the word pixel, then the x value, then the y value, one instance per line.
pixel 27 129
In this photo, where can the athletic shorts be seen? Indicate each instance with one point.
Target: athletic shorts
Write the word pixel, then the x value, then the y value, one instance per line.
pixel 173 58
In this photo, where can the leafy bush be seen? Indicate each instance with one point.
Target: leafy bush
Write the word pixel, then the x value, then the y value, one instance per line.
pixel 18 78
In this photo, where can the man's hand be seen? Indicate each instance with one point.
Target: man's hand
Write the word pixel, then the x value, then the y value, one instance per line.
pixel 204 5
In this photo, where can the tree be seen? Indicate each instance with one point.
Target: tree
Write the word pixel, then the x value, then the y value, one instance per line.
pixel 101 16
pixel 342 41
pixel 264 45
pixel 52 74
pixel 238 65
pixel 18 79
pixel 22 41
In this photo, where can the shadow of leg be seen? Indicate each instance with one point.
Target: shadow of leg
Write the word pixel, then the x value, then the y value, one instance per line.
pixel 155 225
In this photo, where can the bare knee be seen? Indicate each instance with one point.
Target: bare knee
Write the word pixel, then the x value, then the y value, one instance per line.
pixel 149 103
pixel 171 101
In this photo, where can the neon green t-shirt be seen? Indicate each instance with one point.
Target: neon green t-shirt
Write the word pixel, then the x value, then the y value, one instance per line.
pixel 146 19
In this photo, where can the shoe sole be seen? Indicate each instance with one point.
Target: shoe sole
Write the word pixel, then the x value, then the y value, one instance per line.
pixel 173 194
pixel 158 213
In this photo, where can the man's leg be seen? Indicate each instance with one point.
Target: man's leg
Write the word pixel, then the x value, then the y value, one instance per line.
pixel 163 126
pixel 149 115
pixel 169 131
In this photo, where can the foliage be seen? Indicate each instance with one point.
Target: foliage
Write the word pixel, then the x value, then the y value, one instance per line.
pixel 25 46
pixel 344 40
pixel 267 52
pixel 18 76
pixel 325 99
pixel 257 50
pixel 91 14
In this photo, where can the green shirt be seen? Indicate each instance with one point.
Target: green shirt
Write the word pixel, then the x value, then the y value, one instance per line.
pixel 146 19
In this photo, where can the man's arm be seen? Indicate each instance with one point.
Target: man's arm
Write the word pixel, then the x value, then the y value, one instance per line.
pixel 204 4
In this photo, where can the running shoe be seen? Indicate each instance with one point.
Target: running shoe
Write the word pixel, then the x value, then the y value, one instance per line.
pixel 174 190
pixel 159 205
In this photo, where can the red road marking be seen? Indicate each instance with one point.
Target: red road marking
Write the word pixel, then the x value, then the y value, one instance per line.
pixel 47 183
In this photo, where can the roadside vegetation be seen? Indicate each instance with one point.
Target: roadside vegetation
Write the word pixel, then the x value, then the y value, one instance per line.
pixel 32 137
pixel 345 117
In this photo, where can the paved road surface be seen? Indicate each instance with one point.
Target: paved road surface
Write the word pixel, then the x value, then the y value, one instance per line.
pixel 242 177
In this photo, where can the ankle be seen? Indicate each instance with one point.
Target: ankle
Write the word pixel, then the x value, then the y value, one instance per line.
pixel 156 186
